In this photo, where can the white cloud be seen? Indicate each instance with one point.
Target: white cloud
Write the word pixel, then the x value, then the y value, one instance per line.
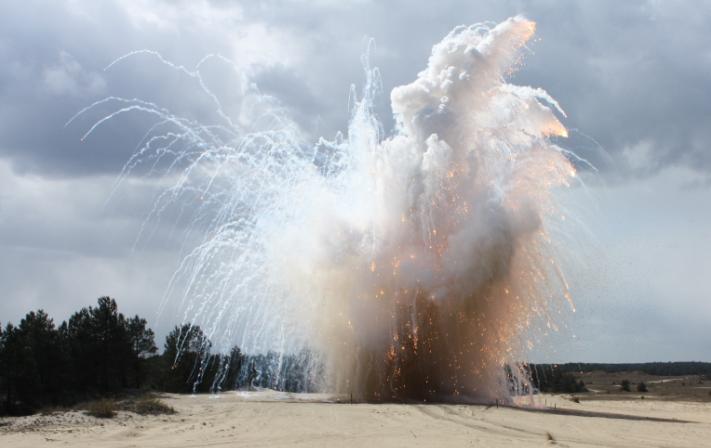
pixel 68 77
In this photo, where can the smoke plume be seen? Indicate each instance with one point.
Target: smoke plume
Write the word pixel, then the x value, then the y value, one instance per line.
pixel 409 266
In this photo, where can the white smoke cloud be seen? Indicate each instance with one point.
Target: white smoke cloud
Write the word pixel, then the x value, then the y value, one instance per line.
pixel 411 265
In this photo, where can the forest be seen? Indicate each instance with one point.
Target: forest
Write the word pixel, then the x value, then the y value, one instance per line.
pixel 98 352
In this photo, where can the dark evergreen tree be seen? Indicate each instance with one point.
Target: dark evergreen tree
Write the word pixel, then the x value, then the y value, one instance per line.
pixel 115 347
pixel 102 350
pixel 32 363
pixel 12 370
pixel 78 336
pixel 142 342
pixel 186 356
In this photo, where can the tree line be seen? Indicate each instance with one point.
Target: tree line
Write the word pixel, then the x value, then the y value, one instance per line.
pixel 100 352
pixel 552 379
pixel 676 368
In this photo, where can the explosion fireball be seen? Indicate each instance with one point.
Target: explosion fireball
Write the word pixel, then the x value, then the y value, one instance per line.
pixel 407 266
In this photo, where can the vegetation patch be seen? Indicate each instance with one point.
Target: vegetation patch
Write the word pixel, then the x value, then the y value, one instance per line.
pixel 552 379
pixel 102 408
pixel 148 406
pixel 142 405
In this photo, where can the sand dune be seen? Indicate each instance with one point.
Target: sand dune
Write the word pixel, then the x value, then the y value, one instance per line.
pixel 273 419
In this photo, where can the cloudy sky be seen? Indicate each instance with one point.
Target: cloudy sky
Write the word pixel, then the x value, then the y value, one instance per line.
pixel 634 78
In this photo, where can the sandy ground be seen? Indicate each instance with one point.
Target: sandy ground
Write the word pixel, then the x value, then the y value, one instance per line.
pixel 270 419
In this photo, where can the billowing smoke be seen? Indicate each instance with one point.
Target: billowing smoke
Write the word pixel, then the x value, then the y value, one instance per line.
pixel 409 266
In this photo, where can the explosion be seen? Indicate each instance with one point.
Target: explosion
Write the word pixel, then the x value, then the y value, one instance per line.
pixel 408 267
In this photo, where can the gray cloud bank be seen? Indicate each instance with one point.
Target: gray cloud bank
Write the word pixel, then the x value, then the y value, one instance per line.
pixel 634 78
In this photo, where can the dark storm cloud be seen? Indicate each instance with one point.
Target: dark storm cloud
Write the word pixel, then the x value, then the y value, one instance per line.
pixel 54 55
pixel 49 69
pixel 633 76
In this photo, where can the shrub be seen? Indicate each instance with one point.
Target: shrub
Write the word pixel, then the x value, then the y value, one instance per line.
pixel 625 384
pixel 102 408
pixel 151 406
pixel 641 387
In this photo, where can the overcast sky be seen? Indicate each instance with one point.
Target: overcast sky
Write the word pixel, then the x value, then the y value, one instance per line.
pixel 634 78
